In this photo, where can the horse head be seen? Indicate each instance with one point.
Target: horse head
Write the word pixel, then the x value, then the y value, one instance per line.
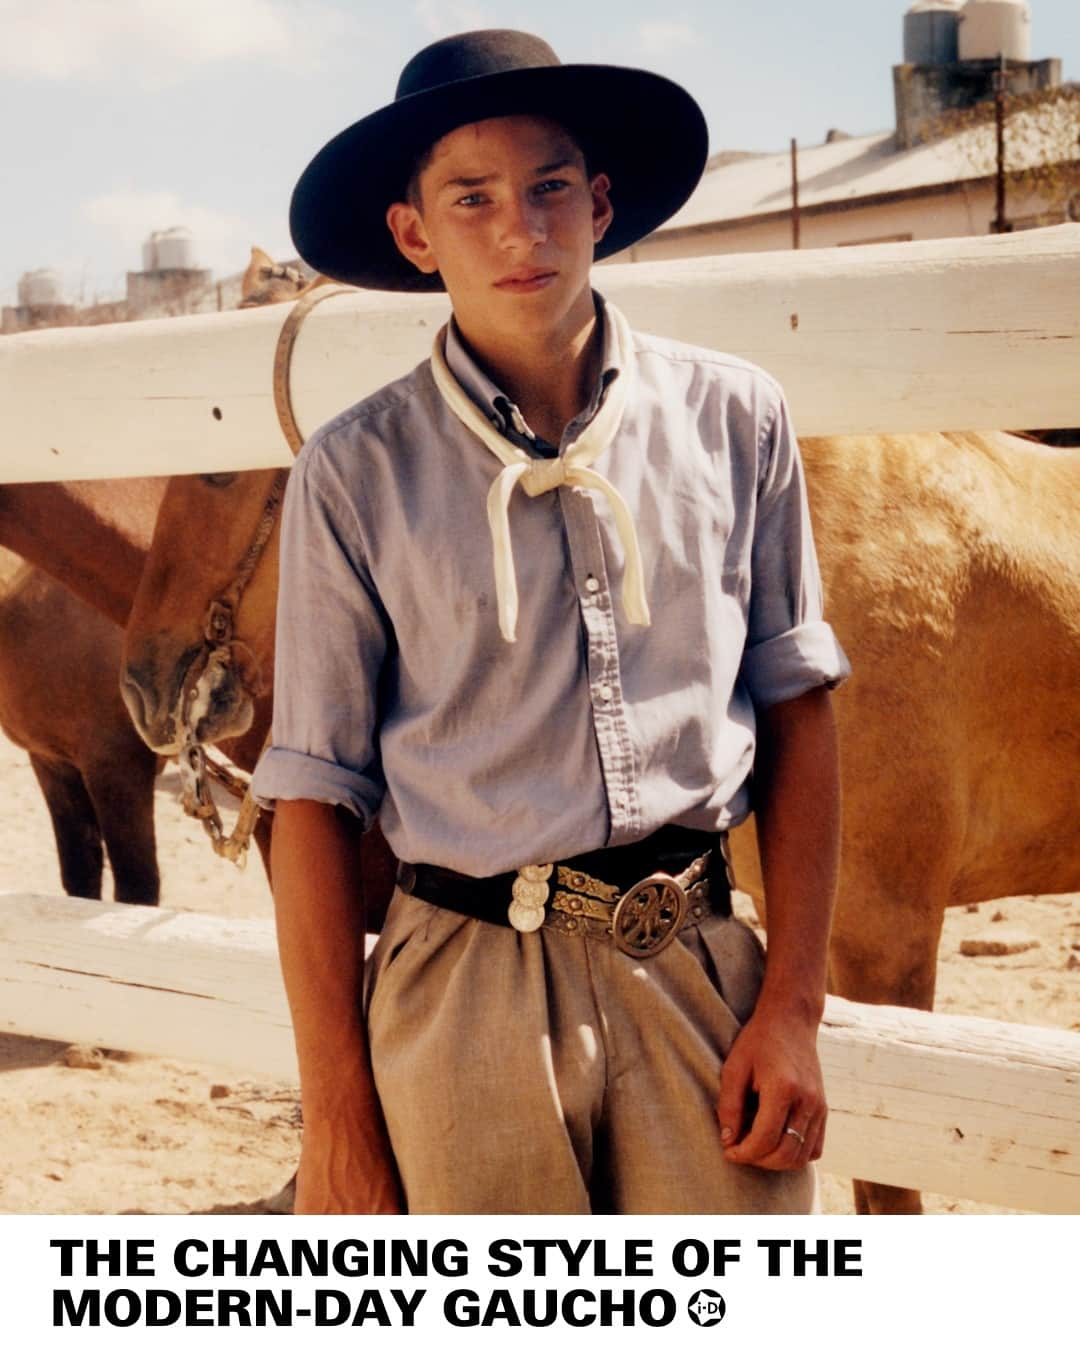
pixel 199 645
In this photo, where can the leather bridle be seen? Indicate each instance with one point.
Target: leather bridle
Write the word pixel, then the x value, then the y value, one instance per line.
pixel 219 623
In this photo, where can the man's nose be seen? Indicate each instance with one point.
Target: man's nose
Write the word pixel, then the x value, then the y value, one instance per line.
pixel 524 222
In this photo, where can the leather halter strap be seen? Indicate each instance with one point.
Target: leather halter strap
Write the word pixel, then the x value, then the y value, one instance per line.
pixel 320 291
pixel 221 612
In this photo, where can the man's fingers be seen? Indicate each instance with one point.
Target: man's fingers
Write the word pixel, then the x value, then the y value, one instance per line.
pixel 796 1146
pixel 731 1104
pixel 818 1139
pixel 791 1151
pixel 766 1133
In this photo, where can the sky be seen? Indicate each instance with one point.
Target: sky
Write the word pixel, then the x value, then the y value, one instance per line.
pixel 118 117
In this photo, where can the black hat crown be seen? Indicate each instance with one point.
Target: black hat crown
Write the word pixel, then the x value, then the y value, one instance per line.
pixel 468 56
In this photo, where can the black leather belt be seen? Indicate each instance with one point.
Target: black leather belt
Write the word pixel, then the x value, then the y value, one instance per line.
pixel 592 885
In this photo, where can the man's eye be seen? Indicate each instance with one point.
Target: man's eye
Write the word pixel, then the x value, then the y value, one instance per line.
pixel 472 199
pixel 552 185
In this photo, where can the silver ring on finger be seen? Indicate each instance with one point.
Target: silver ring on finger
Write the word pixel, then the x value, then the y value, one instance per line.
pixel 790 1129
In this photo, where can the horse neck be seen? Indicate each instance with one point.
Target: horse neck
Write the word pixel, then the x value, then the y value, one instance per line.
pixel 93 537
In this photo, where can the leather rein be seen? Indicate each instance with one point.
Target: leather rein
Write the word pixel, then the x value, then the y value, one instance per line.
pixel 219 644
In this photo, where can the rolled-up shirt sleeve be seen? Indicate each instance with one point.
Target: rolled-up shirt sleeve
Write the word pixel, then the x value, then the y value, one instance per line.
pixel 331 640
pixel 790 649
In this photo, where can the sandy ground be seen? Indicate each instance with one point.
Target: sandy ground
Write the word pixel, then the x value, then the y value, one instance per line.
pixel 108 1133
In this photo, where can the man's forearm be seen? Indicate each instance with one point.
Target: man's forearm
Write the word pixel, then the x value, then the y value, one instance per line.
pixel 320 921
pixel 774 1057
pixel 797 803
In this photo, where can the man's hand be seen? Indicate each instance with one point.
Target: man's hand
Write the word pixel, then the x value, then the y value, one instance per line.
pixel 774 1063
pixel 337 1174
pixel 771 1082
pixel 346 1164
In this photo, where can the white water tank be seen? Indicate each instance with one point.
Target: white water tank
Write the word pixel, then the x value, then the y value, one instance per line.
pixel 930 32
pixel 42 287
pixel 993 28
pixel 169 250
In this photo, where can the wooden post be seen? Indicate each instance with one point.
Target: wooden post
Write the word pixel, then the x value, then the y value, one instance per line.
pixel 795 220
pixel 1000 224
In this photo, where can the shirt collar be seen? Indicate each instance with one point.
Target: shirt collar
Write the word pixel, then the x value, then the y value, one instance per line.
pixel 494 403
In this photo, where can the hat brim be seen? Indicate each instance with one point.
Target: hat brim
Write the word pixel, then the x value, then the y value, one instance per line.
pixel 644 131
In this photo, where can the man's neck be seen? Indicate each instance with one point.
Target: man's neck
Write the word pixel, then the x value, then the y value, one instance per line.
pixel 551 376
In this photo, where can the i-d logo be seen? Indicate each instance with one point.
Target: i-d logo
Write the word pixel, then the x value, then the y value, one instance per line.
pixel 706 1308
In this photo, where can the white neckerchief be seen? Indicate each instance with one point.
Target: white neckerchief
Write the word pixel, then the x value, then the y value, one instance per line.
pixel 537 476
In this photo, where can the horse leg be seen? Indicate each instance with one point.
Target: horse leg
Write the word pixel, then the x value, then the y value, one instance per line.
pixel 75 826
pixel 896 965
pixel 122 791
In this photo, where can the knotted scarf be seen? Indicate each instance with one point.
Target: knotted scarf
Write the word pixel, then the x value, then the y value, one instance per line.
pixel 537 476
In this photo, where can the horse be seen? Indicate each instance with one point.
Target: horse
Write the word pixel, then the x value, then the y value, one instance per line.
pixel 951 569
pixel 92 537
pixel 60 701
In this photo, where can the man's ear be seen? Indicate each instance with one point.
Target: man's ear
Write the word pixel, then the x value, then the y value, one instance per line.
pixel 406 224
pixel 602 210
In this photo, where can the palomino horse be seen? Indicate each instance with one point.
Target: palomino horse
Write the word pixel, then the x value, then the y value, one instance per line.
pixel 951 567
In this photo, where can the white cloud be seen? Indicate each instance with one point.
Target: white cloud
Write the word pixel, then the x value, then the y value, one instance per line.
pixel 222 241
pixel 154 42
pixel 440 18
pixel 658 37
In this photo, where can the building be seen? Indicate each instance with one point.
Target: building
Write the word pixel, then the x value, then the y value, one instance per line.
pixel 957 56
pixel 41 304
pixel 169 284
pixel 934 175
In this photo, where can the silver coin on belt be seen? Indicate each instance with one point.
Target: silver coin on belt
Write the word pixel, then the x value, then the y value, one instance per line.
pixel 530 892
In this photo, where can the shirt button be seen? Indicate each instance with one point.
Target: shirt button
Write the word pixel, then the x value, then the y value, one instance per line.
pixel 591 584
pixel 606 692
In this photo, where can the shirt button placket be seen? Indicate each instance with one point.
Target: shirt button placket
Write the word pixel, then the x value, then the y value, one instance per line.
pixel 602 661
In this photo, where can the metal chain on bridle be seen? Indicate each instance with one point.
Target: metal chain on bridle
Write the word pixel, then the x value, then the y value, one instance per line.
pixel 219 645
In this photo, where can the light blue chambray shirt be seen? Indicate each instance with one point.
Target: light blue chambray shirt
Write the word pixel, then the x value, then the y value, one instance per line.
pixel 394 692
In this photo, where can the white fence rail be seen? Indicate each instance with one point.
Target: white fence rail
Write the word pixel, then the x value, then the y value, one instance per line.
pixel 939 335
pixel 958 1105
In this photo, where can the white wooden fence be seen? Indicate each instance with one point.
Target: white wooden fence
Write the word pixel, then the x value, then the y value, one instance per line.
pixel 945 334
pixel 958 1105
pixel 951 334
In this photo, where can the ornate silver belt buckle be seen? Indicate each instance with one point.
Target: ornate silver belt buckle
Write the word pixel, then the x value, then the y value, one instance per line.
pixel 649 915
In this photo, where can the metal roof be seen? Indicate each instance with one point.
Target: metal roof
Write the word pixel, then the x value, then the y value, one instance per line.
pixel 846 169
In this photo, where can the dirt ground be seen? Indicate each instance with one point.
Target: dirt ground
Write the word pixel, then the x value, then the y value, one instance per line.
pixel 104 1133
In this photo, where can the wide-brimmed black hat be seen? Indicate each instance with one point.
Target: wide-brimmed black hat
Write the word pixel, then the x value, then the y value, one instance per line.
pixel 644 131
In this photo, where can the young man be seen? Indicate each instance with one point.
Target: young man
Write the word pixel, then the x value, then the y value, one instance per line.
pixel 552 698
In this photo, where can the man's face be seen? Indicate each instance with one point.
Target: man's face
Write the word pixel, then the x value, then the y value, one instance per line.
pixel 508 216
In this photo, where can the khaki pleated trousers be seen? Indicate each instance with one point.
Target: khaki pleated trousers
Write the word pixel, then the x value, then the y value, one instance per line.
pixel 549 1073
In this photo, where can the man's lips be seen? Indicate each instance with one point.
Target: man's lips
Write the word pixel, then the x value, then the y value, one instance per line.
pixel 528 279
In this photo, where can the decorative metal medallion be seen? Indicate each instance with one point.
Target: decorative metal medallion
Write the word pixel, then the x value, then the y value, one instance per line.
pixel 649 915
pixel 525 918
pixel 530 892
